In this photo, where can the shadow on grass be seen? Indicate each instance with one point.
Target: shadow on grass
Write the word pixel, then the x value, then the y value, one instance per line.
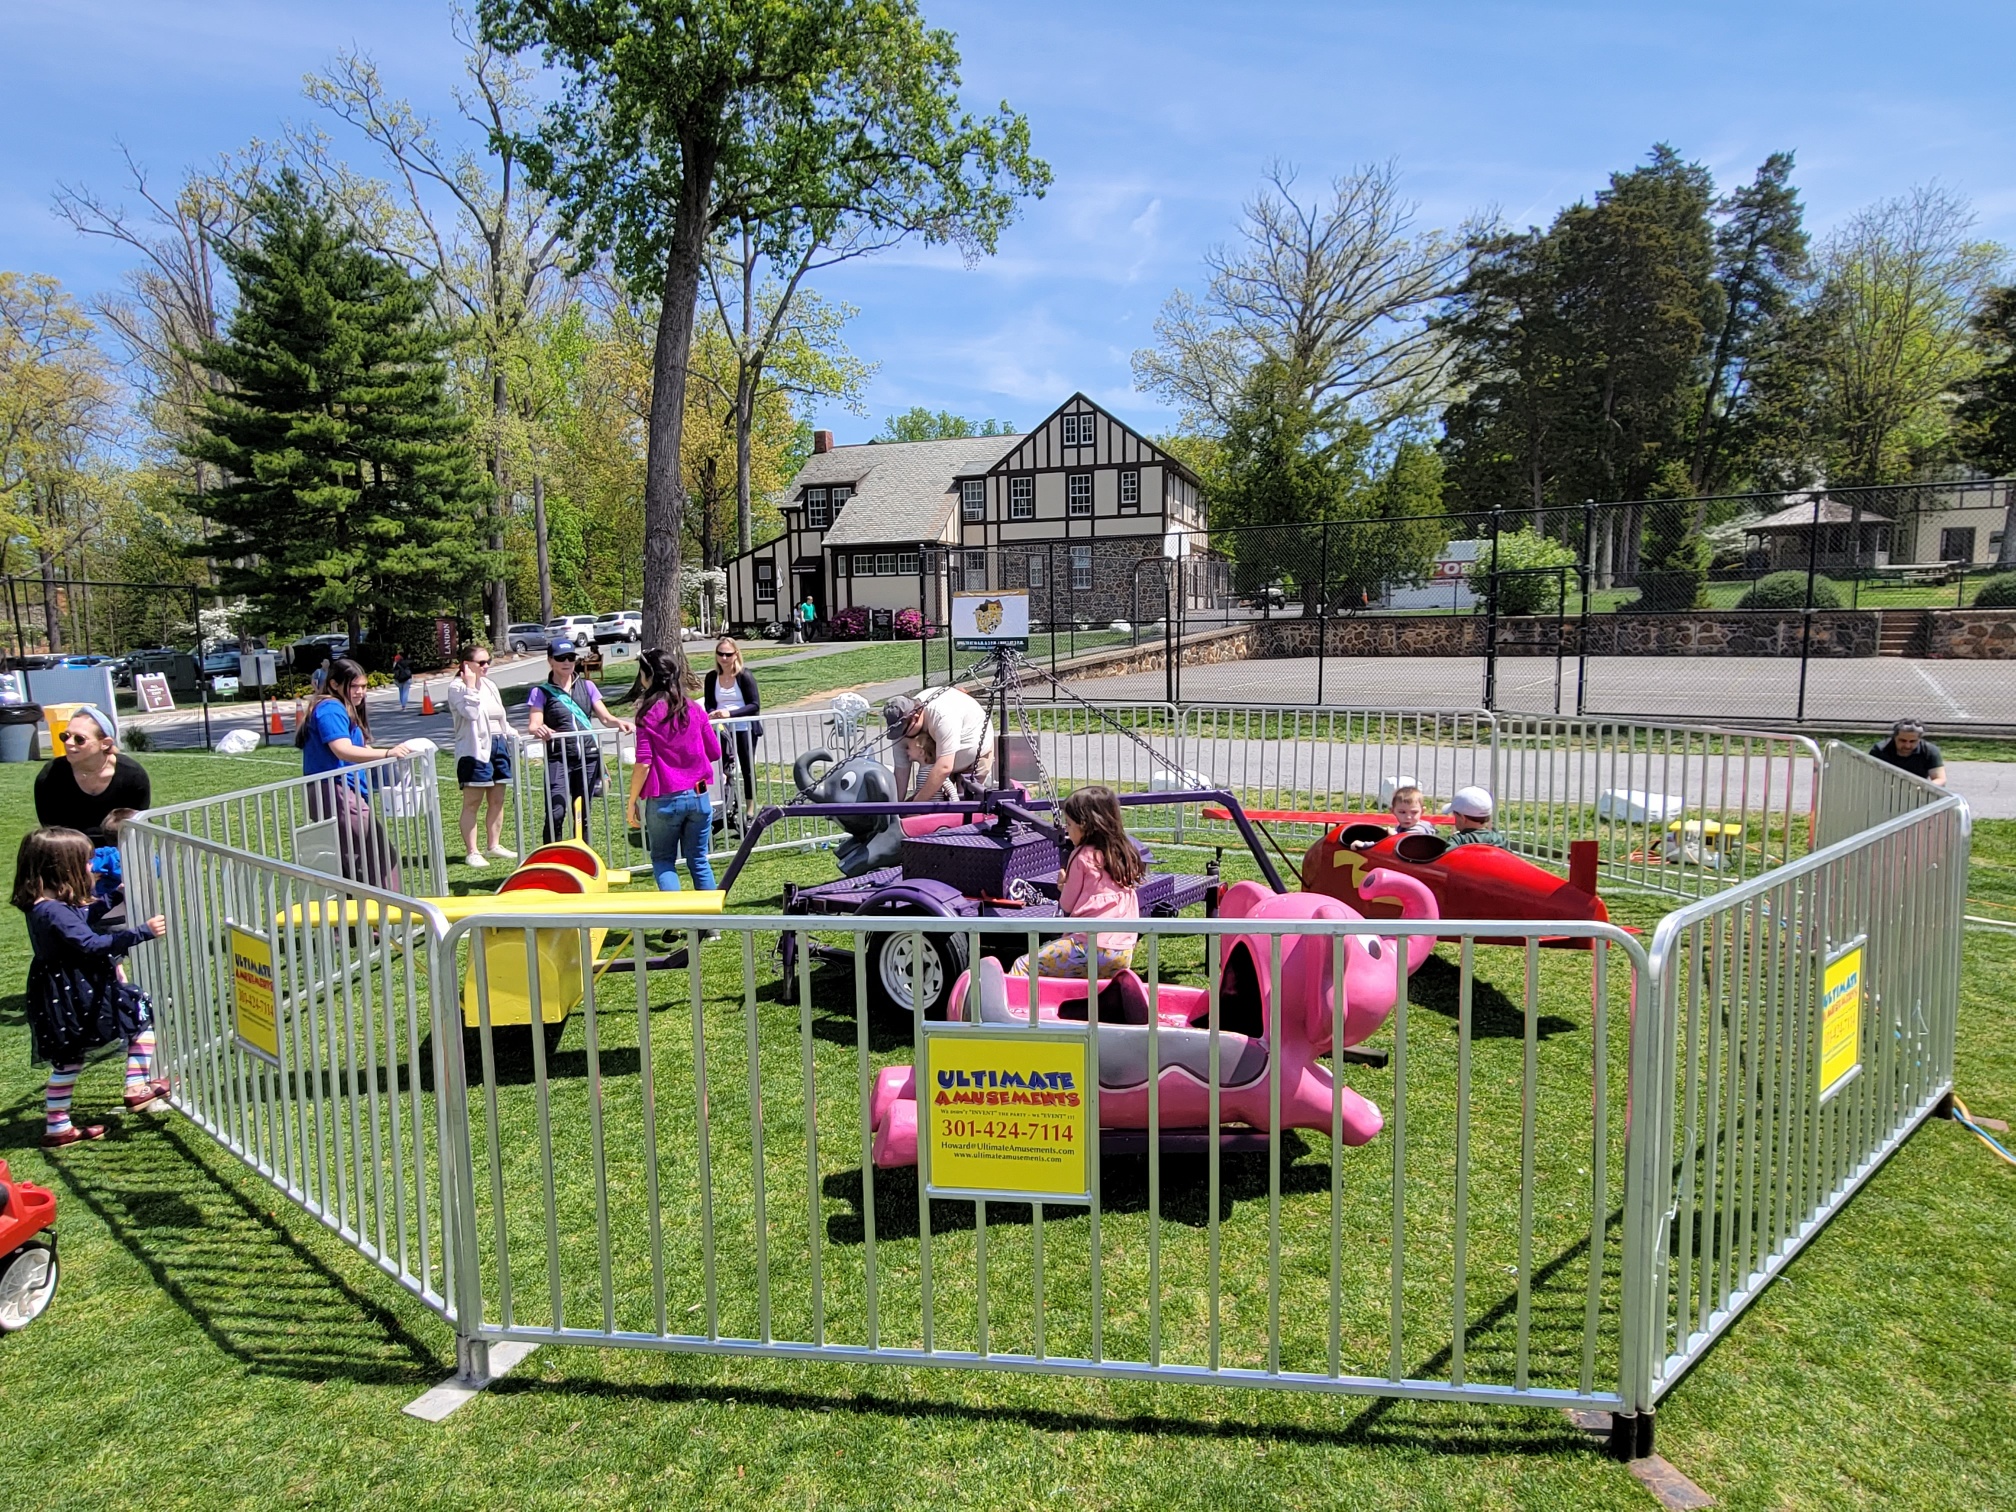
pixel 14 1008
pixel 1123 1188
pixel 257 1292
pixel 1438 985
pixel 1540 1432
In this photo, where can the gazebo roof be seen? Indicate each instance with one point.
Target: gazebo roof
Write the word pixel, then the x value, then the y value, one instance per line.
pixel 1797 516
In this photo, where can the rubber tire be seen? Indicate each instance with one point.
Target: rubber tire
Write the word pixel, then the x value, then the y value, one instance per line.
pixel 950 962
pixel 23 1298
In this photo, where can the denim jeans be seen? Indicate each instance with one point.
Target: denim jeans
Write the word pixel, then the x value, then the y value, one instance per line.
pixel 676 825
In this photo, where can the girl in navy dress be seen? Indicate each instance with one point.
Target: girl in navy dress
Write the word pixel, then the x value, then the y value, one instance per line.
pixel 76 1000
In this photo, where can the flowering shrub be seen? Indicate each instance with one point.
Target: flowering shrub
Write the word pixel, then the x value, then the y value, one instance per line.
pixel 909 625
pixel 850 623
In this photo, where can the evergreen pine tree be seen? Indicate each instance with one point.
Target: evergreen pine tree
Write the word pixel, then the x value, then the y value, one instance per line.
pixel 1675 570
pixel 350 484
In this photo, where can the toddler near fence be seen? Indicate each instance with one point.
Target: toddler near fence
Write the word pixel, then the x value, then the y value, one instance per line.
pixel 77 1001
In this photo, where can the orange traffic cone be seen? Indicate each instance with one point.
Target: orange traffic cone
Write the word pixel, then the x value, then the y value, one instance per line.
pixel 426 700
pixel 273 725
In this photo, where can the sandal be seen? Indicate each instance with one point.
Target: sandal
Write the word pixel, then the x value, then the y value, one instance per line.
pixel 75 1134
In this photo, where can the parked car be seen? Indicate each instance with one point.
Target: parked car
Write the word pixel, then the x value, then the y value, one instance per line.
pixel 623 625
pixel 579 628
pixel 529 635
pixel 221 663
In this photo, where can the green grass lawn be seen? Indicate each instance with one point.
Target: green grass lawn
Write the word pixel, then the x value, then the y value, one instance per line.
pixel 217 1347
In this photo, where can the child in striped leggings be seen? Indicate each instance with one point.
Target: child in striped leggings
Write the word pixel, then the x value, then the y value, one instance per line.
pixel 76 1000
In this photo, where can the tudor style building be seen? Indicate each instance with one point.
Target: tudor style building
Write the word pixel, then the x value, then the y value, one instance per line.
pixel 1068 510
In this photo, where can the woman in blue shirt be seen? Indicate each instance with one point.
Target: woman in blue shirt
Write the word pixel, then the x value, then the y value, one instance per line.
pixel 336 734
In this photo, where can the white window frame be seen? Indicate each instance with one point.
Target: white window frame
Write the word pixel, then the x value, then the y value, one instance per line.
pixel 1081 569
pixel 766 583
pixel 909 563
pixel 1130 490
pixel 862 564
pixel 972 565
pixel 1074 506
pixel 973 500
pixel 1038 562
pixel 842 492
pixel 1022 498
pixel 885 564
pixel 816 517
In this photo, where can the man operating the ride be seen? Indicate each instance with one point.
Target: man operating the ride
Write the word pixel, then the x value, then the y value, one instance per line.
pixel 944 735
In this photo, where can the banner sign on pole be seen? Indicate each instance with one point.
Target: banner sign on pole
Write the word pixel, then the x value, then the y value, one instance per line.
pixel 1841 1018
pixel 1006 1114
pixel 989 621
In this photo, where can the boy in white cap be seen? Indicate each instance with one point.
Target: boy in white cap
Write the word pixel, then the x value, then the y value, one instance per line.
pixel 1473 807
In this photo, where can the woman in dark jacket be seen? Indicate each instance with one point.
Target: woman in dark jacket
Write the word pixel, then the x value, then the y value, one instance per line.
pixel 729 694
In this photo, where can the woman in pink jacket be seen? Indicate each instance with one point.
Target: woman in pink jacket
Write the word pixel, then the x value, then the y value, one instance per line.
pixel 676 752
pixel 1098 882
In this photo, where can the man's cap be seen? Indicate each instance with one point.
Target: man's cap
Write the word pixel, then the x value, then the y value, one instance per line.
pixel 1471 802
pixel 560 646
pixel 896 712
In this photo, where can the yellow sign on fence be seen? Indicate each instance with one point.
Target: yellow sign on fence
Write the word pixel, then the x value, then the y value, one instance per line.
pixel 1840 1020
pixel 1005 1115
pixel 255 1012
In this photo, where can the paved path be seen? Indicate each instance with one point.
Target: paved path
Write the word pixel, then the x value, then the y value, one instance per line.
pixel 1855 691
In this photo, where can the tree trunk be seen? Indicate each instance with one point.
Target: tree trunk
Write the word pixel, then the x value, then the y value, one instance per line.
pixel 664 488
pixel 2006 556
pixel 747 375
pixel 745 404
pixel 539 545
pixel 500 604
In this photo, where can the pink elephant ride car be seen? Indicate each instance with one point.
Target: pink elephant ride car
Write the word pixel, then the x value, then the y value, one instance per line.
pixel 1246 1027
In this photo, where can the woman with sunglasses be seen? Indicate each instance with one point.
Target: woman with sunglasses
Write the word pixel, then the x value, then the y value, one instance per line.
pixel 482 750
pixel 729 693
pixel 91 778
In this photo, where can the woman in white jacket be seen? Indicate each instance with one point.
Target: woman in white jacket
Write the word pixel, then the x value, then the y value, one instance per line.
pixel 482 750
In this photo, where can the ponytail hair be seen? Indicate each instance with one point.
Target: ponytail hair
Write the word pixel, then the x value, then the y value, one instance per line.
pixel 344 674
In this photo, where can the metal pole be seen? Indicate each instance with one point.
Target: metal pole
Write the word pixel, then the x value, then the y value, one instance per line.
pixel 1322 608
pixel 1588 581
pixel 923 635
pixel 1491 621
pixel 1806 621
pixel 202 682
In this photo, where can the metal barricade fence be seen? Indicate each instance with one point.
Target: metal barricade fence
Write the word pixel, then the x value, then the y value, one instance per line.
pixel 693 1171
pixel 1684 811
pixel 379 824
pixel 1289 759
pixel 1859 792
pixel 1801 1026
pixel 596 812
pixel 296 1013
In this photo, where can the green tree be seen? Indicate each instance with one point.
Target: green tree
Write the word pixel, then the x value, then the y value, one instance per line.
pixel 349 484
pixel 680 117
pixel 1902 283
pixel 1318 511
pixel 1988 405
pixel 1674 574
pixel 921 424
pixel 1761 267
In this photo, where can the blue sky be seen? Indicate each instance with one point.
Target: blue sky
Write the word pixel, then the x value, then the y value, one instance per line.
pixel 1157 120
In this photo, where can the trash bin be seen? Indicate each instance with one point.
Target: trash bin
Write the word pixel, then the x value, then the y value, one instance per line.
pixel 17 731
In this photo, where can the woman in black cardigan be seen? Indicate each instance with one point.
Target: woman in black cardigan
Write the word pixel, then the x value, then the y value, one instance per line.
pixel 729 693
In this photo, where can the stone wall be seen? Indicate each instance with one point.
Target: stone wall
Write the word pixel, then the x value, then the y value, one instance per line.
pixel 1971 634
pixel 1835 633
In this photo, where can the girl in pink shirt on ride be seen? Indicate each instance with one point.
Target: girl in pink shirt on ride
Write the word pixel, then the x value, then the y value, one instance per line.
pixel 1098 882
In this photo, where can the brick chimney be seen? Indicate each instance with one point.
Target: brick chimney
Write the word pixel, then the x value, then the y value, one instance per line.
pixel 822 441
